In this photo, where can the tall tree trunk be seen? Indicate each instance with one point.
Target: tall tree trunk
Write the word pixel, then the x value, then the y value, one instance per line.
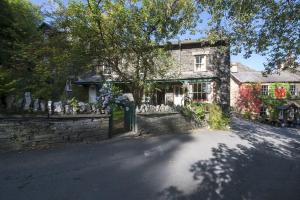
pixel 137 92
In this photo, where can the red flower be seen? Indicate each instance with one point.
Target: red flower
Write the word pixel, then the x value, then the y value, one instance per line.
pixel 280 92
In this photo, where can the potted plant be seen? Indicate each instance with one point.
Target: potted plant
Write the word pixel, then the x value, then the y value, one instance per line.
pixel 75 105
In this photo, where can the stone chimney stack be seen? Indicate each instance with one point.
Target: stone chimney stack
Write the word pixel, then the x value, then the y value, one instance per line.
pixel 234 67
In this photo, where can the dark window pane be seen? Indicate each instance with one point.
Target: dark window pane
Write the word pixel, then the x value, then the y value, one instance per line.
pixel 204 89
pixel 195 96
pixel 204 96
pixel 194 87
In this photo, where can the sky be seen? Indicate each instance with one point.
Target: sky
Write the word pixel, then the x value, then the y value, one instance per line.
pixel 255 61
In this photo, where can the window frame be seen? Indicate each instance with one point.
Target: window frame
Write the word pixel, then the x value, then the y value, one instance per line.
pixel 202 94
pixel 263 91
pixel 293 92
pixel 263 111
pixel 105 69
pixel 200 66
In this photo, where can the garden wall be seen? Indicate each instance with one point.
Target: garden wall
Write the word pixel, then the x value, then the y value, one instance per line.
pixel 164 123
pixel 19 132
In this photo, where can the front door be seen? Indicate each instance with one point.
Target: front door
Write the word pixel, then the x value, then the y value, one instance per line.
pixel 160 94
pixel 178 95
pixel 92 94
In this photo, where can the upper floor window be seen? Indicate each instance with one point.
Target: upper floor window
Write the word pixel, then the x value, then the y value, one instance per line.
pixel 200 64
pixel 293 90
pixel 264 89
pixel 106 70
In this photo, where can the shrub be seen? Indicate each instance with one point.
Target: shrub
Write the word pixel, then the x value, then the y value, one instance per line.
pixel 217 119
pixel 249 101
pixel 199 109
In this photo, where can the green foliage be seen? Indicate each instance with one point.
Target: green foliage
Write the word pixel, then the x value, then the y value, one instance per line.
pixel 74 103
pixel 116 91
pixel 272 106
pixel 118 114
pixel 7 83
pixel 270 28
pixel 35 58
pixel 19 20
pixel 273 86
pixel 200 109
pixel 125 35
pixel 217 119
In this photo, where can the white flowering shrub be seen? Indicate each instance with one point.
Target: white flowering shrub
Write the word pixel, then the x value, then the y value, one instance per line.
pixel 108 100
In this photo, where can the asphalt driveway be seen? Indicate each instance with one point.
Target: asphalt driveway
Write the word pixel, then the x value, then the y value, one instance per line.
pixel 253 161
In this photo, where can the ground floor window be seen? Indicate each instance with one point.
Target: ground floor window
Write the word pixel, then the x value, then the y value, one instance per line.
pixel 280 115
pixel 200 91
pixel 263 111
pixel 265 90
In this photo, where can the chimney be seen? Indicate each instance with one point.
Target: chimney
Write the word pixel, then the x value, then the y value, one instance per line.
pixel 234 68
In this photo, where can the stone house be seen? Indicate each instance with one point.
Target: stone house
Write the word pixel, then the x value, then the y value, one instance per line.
pixel 241 74
pixel 270 84
pixel 203 75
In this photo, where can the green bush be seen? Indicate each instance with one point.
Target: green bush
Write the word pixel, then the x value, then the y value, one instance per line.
pixel 199 109
pixel 217 119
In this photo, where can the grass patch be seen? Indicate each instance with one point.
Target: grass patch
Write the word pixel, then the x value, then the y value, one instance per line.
pixel 118 114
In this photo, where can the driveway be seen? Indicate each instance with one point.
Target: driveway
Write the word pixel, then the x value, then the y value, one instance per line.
pixel 253 161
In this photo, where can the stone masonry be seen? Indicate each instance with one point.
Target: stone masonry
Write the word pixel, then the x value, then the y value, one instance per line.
pixel 217 59
pixel 164 123
pixel 38 132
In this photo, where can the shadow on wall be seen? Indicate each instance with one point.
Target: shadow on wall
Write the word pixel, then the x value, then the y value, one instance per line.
pixel 164 124
pixel 268 170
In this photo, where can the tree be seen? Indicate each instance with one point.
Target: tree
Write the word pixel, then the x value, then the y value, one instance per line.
pixel 34 56
pixel 249 102
pixel 265 27
pixel 129 36
pixel 19 20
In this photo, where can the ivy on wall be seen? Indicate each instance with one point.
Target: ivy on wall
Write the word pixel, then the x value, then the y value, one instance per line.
pixel 279 90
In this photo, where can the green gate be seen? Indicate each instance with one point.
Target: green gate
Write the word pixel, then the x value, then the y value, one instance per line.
pixel 130 117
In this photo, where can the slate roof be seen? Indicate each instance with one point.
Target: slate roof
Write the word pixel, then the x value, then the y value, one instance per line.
pixel 95 79
pixel 249 77
pixel 295 103
pixel 241 67
pixel 195 75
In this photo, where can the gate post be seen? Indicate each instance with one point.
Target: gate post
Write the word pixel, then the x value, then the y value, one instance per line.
pixel 130 117
pixel 111 125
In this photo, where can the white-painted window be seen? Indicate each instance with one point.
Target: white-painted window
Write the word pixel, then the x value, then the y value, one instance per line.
pixel 265 90
pixel 200 64
pixel 106 70
pixel 293 90
pixel 200 91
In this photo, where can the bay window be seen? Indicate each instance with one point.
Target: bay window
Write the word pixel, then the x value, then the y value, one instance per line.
pixel 200 91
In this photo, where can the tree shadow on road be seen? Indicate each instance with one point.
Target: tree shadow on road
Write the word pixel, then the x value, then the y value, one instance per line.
pixel 269 169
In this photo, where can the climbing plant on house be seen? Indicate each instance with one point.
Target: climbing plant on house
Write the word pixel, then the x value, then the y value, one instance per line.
pixel 279 90
pixel 272 105
pixel 249 101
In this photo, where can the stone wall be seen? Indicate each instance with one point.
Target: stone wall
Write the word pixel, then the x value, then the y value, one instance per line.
pixel 37 132
pixel 217 67
pixel 163 123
